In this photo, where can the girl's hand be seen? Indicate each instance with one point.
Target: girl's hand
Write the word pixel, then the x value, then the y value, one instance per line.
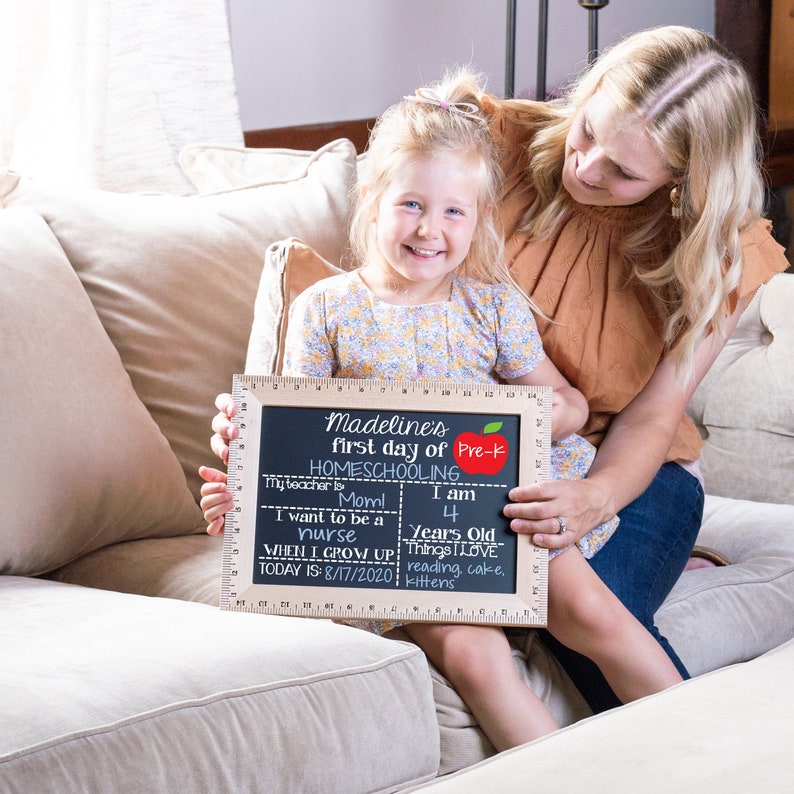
pixel 534 510
pixel 216 500
pixel 223 429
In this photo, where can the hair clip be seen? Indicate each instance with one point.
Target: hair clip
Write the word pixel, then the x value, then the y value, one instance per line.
pixel 430 97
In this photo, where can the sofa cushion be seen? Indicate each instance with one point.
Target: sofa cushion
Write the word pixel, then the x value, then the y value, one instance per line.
pixel 215 167
pixel 173 279
pixel 84 465
pixel 212 167
pixel 187 568
pixel 105 691
pixel 718 616
pixel 743 407
pixel 290 267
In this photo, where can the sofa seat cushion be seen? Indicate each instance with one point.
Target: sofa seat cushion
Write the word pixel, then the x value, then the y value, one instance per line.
pixel 106 691
pixel 728 731
pixel 187 568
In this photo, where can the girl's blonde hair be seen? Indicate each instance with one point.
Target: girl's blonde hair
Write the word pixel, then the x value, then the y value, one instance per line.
pixel 440 120
pixel 697 105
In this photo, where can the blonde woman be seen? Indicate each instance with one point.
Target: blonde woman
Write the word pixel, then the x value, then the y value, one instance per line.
pixel 632 215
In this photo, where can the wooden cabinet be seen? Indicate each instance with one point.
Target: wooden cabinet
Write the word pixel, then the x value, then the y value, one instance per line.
pixel 761 34
pixel 781 63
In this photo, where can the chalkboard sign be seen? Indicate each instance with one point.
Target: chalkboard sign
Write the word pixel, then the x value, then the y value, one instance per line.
pixel 383 500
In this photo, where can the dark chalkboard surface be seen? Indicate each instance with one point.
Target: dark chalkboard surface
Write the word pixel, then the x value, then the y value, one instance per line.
pixel 383 500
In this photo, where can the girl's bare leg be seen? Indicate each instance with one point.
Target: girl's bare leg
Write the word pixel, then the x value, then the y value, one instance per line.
pixel 587 617
pixel 478 663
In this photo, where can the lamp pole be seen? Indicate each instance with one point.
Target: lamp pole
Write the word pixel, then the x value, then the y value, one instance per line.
pixel 593 7
pixel 543 34
pixel 510 51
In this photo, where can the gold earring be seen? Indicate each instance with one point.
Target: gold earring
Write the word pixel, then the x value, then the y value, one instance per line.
pixel 675 200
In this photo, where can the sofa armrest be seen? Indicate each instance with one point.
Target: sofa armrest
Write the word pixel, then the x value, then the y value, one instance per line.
pixel 743 408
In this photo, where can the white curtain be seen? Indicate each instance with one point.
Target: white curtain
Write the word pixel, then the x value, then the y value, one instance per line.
pixel 105 93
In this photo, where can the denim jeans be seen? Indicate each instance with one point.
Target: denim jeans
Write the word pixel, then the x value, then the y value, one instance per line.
pixel 640 564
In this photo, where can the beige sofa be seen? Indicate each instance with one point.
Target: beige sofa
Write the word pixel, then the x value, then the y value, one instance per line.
pixel 122 317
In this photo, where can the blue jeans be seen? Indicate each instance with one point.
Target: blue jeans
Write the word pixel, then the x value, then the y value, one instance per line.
pixel 640 564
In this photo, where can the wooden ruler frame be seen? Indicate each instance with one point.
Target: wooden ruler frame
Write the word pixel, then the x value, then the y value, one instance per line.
pixel 526 605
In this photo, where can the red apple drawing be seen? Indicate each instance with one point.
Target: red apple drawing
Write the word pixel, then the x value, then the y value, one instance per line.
pixel 483 453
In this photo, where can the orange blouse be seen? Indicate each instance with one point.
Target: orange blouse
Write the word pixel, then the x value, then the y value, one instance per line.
pixel 607 339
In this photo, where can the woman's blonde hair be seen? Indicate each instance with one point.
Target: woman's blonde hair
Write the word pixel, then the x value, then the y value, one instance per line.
pixel 439 120
pixel 698 108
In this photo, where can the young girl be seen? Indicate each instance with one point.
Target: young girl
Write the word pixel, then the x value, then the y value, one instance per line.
pixel 432 300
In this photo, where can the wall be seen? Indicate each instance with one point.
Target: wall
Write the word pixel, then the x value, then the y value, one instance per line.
pixel 317 61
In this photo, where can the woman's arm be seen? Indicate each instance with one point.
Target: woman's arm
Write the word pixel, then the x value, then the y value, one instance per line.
pixel 628 458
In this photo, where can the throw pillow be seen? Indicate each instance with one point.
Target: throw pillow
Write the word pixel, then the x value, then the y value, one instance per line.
pixel 743 404
pixel 173 279
pixel 214 167
pixel 211 167
pixel 84 465
pixel 290 267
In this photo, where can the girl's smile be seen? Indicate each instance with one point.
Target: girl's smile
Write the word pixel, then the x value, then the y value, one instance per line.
pixel 421 252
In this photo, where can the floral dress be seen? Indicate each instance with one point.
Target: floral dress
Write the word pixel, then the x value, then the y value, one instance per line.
pixel 483 333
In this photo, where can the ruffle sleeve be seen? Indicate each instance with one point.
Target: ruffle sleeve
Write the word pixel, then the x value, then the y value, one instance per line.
pixel 763 258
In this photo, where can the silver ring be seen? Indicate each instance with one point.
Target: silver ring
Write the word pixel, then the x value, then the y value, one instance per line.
pixel 563 525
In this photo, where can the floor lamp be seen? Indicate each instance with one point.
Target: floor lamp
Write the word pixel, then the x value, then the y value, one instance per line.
pixel 592 7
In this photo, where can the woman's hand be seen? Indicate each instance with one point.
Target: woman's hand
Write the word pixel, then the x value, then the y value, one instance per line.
pixel 223 429
pixel 534 510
